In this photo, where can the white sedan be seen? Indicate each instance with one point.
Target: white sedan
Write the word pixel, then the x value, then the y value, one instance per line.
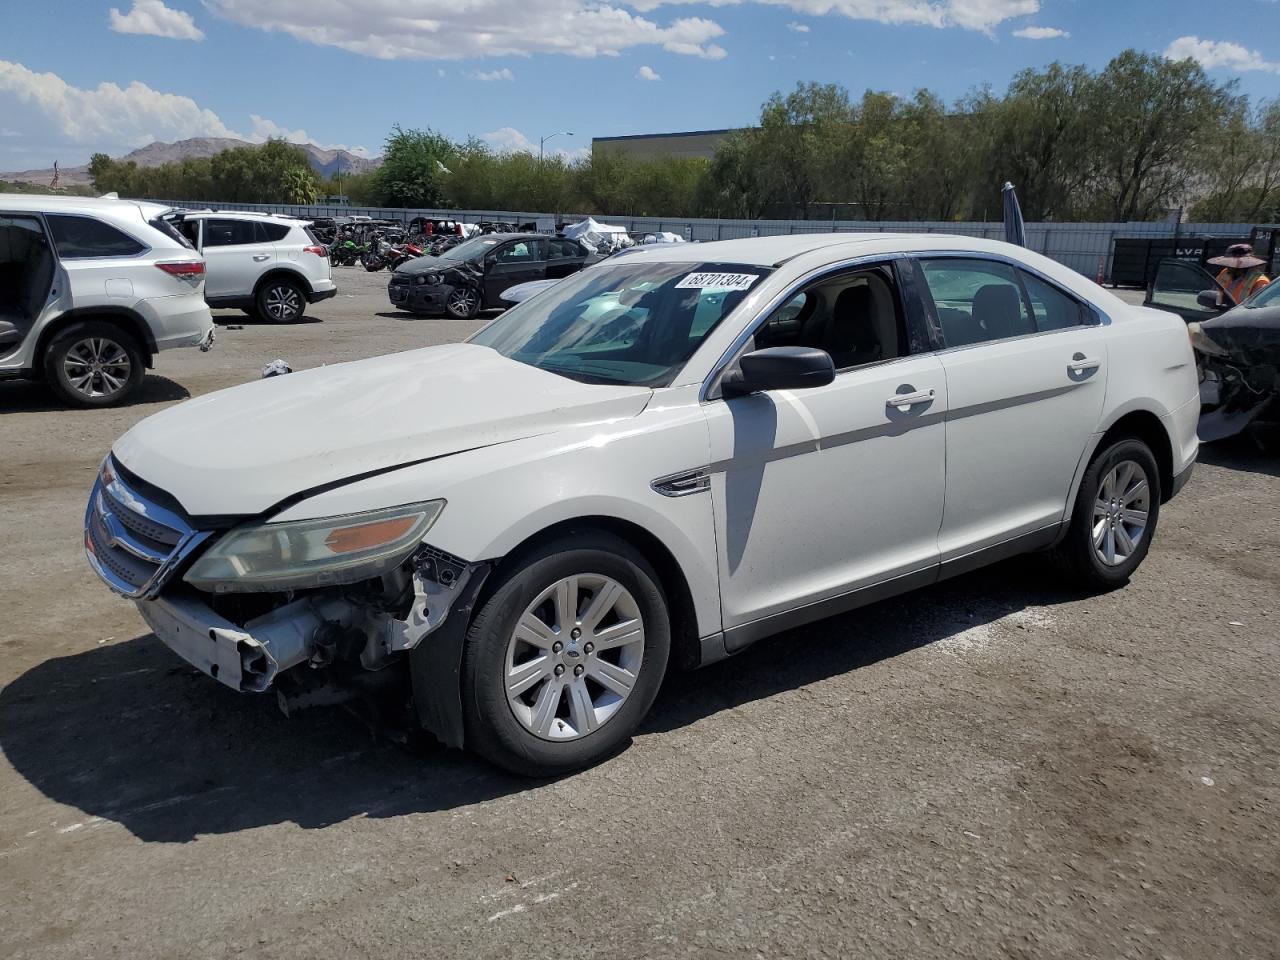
pixel 652 464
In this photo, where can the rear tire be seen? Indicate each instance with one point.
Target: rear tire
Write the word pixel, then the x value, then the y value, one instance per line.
pixel 280 301
pixel 1115 516
pixel 94 364
pixel 565 658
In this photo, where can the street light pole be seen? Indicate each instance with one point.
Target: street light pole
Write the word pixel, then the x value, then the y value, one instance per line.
pixel 543 141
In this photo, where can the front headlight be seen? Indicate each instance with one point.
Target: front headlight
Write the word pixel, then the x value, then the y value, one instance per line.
pixel 270 557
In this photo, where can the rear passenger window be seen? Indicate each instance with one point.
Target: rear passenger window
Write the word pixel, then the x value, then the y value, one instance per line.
pixel 1052 308
pixel 275 231
pixel 976 300
pixel 564 248
pixel 80 238
pixel 229 233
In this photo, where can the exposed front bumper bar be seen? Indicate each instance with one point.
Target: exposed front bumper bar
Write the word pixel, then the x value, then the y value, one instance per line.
pixel 246 658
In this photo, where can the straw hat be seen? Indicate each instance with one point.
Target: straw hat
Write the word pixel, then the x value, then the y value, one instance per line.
pixel 1238 256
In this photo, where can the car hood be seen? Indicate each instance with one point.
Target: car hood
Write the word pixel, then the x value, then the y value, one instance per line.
pixel 426 264
pixel 243 450
pixel 1248 334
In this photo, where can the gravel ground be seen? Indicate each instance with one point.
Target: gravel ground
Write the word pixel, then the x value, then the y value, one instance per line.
pixel 993 767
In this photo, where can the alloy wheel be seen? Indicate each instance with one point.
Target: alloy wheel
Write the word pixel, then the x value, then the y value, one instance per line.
pixel 1120 513
pixel 574 657
pixel 463 302
pixel 282 302
pixel 97 367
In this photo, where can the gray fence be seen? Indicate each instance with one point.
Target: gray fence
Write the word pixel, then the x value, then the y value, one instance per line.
pixel 1084 247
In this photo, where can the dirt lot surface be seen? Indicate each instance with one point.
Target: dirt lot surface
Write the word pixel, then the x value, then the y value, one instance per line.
pixel 994 767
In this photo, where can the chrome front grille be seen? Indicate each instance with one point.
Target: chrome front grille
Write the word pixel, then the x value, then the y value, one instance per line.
pixel 132 543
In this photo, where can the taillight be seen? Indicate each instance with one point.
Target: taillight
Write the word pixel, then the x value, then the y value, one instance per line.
pixel 318 251
pixel 183 268
pixel 430 228
pixel 457 229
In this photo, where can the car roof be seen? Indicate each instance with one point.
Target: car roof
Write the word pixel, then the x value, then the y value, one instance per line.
pixel 50 203
pixel 244 215
pixel 774 251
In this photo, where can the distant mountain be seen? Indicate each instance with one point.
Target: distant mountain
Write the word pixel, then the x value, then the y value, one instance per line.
pixel 325 162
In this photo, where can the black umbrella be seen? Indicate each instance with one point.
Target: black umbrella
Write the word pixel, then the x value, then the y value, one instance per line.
pixel 1015 230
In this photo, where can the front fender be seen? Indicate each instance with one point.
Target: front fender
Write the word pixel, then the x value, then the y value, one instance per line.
pixel 499 496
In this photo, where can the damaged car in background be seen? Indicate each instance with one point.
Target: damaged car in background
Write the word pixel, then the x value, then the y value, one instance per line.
pixel 1240 362
pixel 1237 346
pixel 655 462
pixel 472 276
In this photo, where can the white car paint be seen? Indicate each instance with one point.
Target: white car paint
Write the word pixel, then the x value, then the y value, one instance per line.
pixel 234 270
pixel 813 494
pixel 170 310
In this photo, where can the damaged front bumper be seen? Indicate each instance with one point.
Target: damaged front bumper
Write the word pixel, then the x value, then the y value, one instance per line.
pixel 318 630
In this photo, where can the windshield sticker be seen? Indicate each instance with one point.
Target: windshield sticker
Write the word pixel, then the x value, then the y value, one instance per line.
pixel 717 281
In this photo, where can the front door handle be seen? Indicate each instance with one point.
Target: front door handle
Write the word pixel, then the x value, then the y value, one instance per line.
pixel 1081 364
pixel 259 257
pixel 910 399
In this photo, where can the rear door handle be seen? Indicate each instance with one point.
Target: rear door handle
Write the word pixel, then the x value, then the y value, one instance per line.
pixel 910 399
pixel 259 257
pixel 1080 364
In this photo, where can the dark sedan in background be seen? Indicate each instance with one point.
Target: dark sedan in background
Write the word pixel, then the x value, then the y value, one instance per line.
pixel 1238 347
pixel 472 276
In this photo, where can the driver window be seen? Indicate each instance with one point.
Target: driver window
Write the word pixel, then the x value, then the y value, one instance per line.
pixel 520 250
pixel 855 317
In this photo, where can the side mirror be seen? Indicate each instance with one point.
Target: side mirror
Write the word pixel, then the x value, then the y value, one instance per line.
pixel 491 260
pixel 780 368
pixel 1209 300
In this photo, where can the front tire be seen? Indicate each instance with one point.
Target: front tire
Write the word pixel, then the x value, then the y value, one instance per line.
pixel 565 658
pixel 463 303
pixel 280 301
pixel 1115 515
pixel 94 364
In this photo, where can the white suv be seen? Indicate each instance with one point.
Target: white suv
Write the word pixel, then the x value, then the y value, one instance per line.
pixel 268 266
pixel 656 461
pixel 91 290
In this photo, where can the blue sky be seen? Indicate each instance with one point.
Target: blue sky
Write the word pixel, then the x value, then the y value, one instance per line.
pixel 78 76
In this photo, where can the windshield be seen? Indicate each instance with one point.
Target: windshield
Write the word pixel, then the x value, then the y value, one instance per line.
pixel 1267 296
pixel 622 322
pixel 472 249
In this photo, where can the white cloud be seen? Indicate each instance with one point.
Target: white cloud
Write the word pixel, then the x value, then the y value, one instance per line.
pixel 491 75
pixel 509 140
pixel 1040 33
pixel 52 118
pixel 397 30
pixel 648 73
pixel 154 19
pixel 263 129
pixel 798 27
pixel 980 15
pixel 440 72
pixel 1219 53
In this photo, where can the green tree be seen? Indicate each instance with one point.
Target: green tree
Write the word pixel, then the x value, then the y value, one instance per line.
pixel 1152 118
pixel 411 174
pixel 1042 137
pixel 799 146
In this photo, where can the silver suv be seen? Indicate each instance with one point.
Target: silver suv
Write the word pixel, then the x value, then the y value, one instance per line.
pixel 268 266
pixel 91 290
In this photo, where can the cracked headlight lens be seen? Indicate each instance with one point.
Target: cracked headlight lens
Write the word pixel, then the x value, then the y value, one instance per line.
pixel 269 557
